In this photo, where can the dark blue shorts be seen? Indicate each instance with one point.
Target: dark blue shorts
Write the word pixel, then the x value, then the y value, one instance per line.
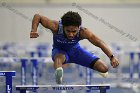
pixel 77 55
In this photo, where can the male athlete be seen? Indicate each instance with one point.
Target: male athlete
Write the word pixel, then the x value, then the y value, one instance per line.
pixel 66 48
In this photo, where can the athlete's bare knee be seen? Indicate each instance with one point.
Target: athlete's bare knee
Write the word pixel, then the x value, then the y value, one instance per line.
pixel 104 69
pixel 100 66
pixel 58 60
pixel 59 56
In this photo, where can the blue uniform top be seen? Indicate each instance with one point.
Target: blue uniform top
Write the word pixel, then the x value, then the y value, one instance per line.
pixel 71 49
pixel 60 41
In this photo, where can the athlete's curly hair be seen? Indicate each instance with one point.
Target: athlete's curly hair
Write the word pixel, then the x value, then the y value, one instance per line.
pixel 71 19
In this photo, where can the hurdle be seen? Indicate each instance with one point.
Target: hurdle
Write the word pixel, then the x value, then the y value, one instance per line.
pixel 24 60
pixel 8 75
pixel 24 88
pixel 88 78
pixel 34 71
pixel 23 70
pixel 132 55
pixel 131 63
pixel 139 64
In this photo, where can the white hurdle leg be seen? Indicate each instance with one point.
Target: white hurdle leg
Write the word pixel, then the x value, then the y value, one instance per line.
pixel 88 78
pixel 23 70
pixel 139 65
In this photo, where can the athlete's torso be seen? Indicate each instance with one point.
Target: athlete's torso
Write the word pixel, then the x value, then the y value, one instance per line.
pixel 60 41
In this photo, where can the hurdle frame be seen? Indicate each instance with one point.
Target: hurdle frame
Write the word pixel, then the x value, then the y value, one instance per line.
pixel 8 75
pixel 24 88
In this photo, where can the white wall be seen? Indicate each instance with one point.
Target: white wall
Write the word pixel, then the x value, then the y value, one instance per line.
pixel 15 22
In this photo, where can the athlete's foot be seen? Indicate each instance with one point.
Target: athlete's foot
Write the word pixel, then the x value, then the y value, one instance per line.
pixel 59 75
pixel 105 75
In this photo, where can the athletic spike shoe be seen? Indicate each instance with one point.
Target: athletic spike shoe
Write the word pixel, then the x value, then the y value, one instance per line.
pixel 59 75
pixel 105 75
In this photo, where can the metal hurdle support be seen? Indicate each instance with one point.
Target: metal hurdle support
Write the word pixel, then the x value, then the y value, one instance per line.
pixel 88 78
pixel 139 64
pixel 23 70
pixel 131 63
pixel 24 88
pixel 8 75
pixel 34 71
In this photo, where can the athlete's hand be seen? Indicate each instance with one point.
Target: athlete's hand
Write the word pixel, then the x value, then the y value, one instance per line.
pixel 34 34
pixel 114 62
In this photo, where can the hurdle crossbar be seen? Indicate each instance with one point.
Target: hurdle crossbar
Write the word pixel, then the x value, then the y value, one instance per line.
pixel 17 59
pixel 24 88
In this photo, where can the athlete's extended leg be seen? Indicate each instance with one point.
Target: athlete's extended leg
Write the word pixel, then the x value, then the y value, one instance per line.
pixel 59 59
pixel 82 57
pixel 101 67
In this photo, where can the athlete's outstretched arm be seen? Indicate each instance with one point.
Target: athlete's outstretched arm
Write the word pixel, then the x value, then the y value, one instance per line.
pixel 46 22
pixel 87 34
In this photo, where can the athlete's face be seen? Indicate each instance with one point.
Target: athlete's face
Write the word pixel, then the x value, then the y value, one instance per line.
pixel 71 31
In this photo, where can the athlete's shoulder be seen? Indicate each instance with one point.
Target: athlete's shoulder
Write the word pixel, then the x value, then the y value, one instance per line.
pixel 56 26
pixel 84 32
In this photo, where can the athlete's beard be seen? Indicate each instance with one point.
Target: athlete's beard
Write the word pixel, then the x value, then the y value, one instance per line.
pixel 66 35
